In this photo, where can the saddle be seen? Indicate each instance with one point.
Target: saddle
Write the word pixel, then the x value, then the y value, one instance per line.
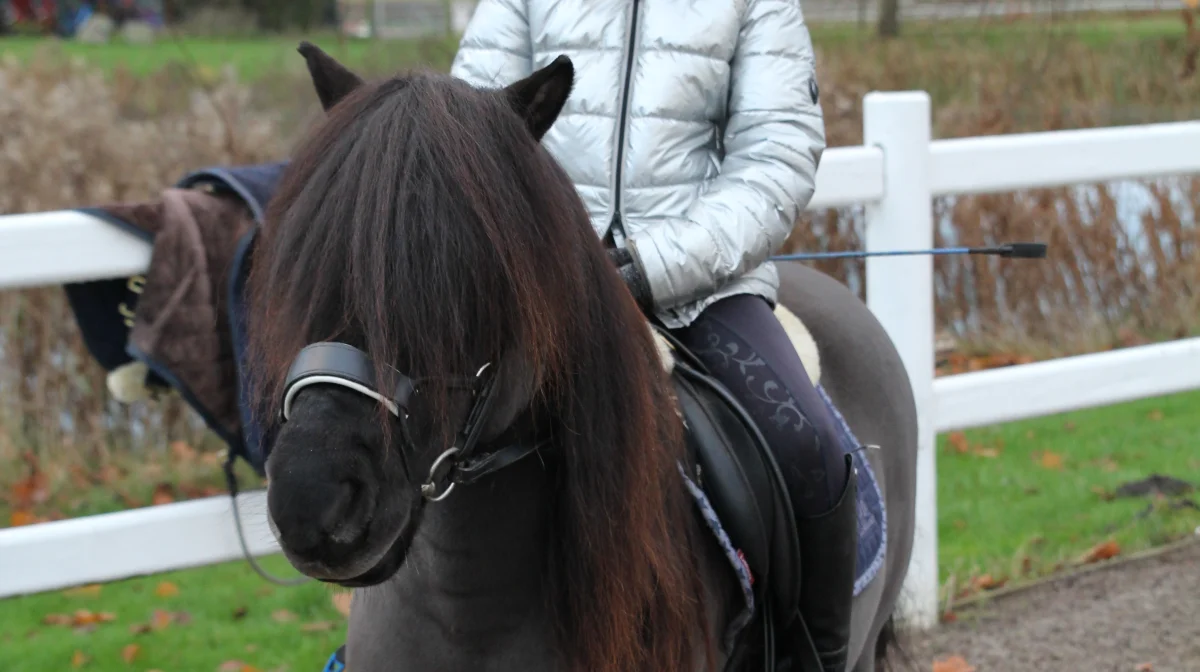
pixel 731 462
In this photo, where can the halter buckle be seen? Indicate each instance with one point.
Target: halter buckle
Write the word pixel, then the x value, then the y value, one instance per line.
pixel 439 471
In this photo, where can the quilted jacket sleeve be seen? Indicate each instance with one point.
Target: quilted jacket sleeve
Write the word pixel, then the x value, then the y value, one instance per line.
pixel 495 49
pixel 774 138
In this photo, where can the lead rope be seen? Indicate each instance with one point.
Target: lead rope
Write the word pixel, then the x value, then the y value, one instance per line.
pixel 231 482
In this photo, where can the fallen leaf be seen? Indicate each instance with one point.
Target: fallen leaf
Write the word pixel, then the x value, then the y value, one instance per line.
pixel 78 659
pixel 1050 460
pixel 986 582
pixel 163 494
pixel 19 518
pixel 83 591
pixel 106 617
pixel 283 615
pixel 958 441
pixel 83 617
pixel 237 666
pixel 1145 667
pixel 139 628
pixel 160 619
pixel 986 452
pixel 341 602
pixel 317 626
pixel 1154 415
pixel 952 664
pixel 166 589
pixel 240 613
pixel 1103 493
pixel 1103 551
pixel 949 617
pixel 130 652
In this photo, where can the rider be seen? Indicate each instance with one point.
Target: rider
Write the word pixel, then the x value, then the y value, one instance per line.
pixel 693 135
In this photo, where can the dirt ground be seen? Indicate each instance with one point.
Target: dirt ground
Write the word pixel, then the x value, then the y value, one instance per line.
pixel 1143 616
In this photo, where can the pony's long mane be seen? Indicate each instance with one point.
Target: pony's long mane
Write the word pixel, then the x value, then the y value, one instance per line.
pixel 423 222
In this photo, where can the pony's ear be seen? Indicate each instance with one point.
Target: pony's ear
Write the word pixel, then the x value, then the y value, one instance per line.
pixel 540 97
pixel 331 79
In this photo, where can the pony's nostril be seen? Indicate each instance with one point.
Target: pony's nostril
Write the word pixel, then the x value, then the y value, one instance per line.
pixel 346 518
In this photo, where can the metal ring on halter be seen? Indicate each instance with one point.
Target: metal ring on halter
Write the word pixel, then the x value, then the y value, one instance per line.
pixel 430 486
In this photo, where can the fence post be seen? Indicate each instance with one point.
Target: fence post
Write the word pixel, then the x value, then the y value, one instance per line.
pixel 900 294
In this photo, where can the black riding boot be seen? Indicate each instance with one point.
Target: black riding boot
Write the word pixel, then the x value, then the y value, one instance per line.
pixel 828 550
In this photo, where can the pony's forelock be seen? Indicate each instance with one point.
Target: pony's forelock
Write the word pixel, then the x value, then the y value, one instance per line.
pixel 422 222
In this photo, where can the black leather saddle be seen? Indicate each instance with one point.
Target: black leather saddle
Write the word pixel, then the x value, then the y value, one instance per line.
pixel 734 467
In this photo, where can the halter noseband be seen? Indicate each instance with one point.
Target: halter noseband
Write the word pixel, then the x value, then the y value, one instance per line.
pixel 333 363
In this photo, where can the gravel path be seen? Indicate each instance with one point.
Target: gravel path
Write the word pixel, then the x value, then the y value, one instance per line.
pixel 1112 619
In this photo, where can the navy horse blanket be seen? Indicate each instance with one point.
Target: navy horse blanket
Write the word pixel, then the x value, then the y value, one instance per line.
pixel 153 321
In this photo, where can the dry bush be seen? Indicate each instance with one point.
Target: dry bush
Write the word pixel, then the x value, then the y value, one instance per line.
pixel 70 137
pixel 1122 265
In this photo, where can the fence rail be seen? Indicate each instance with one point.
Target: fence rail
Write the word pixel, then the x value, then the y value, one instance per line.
pixel 896 174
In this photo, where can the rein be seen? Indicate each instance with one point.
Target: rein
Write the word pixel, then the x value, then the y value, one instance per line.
pixel 464 462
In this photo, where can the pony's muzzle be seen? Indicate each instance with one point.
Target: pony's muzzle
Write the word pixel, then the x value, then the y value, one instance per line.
pixel 323 520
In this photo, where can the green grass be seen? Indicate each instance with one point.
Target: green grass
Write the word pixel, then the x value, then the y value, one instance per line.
pixel 251 58
pixel 231 615
pixel 259 57
pixel 999 502
pixel 1005 499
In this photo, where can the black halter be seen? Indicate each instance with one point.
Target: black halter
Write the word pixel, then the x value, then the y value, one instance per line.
pixel 332 363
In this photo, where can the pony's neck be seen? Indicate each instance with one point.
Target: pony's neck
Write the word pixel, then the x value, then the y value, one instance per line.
pixel 471 595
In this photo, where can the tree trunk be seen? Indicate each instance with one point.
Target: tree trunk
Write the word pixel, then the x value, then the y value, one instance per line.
pixel 889 18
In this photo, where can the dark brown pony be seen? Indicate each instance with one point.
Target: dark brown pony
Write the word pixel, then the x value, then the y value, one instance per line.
pixel 423 223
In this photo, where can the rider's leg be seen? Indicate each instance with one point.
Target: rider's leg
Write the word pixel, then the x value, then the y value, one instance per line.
pixel 745 347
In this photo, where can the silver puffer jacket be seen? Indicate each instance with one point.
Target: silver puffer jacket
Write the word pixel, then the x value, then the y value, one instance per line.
pixel 693 127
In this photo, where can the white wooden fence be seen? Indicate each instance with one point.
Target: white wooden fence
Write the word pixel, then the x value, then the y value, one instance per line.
pixel 896 174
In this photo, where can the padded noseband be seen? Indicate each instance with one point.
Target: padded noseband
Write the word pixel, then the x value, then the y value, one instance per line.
pixel 332 363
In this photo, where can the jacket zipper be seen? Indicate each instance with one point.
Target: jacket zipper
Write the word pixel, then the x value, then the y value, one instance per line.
pixel 618 229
